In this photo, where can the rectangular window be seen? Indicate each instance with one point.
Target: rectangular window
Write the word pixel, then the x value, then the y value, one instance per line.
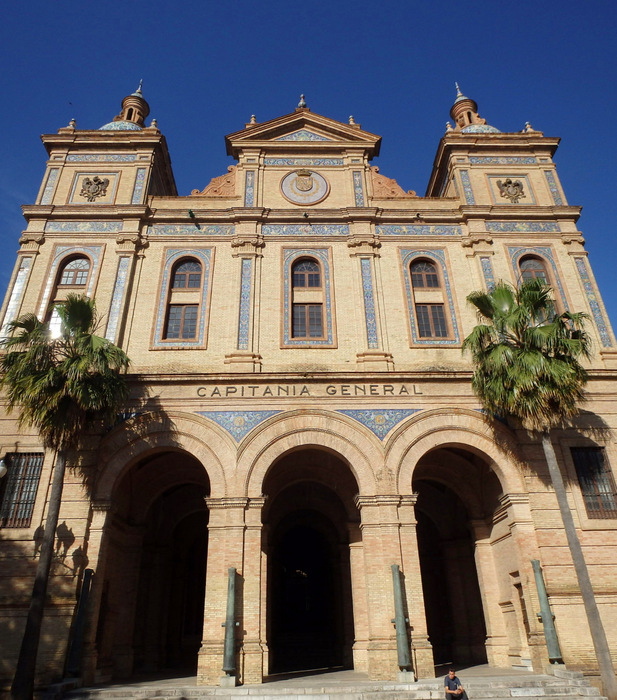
pixel 307 321
pixel 596 481
pixel 182 321
pixel 18 488
pixel 431 321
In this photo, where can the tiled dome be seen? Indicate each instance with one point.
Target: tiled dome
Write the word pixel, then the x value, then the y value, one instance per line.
pixel 120 126
pixel 480 129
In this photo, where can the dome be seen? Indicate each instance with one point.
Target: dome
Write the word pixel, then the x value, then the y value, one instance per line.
pixel 120 125
pixel 480 129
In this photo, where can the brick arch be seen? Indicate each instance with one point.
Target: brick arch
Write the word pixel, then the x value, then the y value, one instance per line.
pixel 321 429
pixel 462 427
pixel 131 441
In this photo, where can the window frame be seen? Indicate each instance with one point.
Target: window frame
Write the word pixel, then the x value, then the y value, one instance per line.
pixel 62 269
pixel 601 513
pixel 9 512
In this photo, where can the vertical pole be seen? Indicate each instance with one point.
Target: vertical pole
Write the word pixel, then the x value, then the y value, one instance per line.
pixel 546 617
pixel 229 654
pixel 400 622
pixel 73 663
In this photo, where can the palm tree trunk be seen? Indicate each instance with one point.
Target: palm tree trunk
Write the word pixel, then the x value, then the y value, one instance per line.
pixel 598 635
pixel 23 681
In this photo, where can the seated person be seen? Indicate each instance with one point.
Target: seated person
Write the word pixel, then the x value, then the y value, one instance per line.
pixel 453 687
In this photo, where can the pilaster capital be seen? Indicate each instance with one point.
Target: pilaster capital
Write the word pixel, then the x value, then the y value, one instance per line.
pixel 247 245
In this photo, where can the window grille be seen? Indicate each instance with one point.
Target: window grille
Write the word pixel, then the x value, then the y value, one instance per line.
pixel 18 488
pixel 596 481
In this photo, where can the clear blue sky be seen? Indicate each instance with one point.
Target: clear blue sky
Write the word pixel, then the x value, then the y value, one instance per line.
pixel 207 66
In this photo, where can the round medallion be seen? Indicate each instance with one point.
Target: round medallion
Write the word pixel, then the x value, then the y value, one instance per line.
pixel 304 187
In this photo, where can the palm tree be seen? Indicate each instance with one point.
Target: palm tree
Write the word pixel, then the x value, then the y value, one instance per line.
pixel 61 386
pixel 526 359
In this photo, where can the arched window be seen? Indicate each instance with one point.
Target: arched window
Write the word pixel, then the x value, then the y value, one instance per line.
pixel 183 307
pixel 307 300
pixel 429 306
pixel 75 273
pixel 424 274
pixel 533 268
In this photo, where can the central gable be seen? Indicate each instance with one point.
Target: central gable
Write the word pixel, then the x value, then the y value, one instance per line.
pixel 292 132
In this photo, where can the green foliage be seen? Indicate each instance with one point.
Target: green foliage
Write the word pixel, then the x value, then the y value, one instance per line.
pixel 526 357
pixel 62 385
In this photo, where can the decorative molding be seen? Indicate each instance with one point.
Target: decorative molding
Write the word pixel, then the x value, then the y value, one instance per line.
pixel 101 158
pixel 387 187
pixel 249 189
pixel 315 162
pixel 17 292
pixel 522 226
pixel 191 229
pixel 543 252
pixel 439 256
pixel 303 135
pixel 247 244
pixel 592 298
pixel 379 421
pixel 502 160
pixel 116 300
pixel 469 198
pixel 369 304
pixel 50 185
pixel 475 239
pixel 552 186
pixel 138 188
pixel 290 255
pixel 238 423
pixel 244 315
pixel 418 230
pixel 83 226
pixel 487 270
pixel 305 229
pixel 221 186
pixel 358 188
pixel 365 243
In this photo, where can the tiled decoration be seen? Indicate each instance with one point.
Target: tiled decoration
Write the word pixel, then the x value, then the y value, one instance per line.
pixel 245 304
pixel 191 230
pixel 369 304
pixel 204 255
pixel 16 293
pixel 290 256
pixel 522 227
pixel 552 186
pixel 60 253
pixel 303 162
pixel 305 230
pixel 358 188
pixel 418 230
pixel 249 189
pixel 83 226
pixel 303 135
pixel 380 421
pixel 502 160
pixel 469 198
pixel 439 257
pixel 545 254
pixel 138 188
pixel 238 423
pixel 101 158
pixel 116 300
pixel 48 192
pixel 592 298
pixel 487 271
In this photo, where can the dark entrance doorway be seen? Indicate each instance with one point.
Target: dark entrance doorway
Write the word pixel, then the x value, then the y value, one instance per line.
pixel 454 486
pixel 151 616
pixel 310 616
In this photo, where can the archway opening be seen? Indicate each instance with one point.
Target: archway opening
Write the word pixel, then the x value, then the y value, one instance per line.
pixel 151 616
pixel 310 515
pixel 457 490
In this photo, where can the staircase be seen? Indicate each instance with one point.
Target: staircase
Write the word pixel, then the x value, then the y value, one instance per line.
pixel 481 683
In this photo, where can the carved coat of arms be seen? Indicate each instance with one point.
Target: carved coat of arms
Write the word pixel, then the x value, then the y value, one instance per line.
pixel 511 189
pixel 91 188
pixel 304 180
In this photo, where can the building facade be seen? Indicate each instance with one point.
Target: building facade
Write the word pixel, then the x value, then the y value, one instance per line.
pixel 301 410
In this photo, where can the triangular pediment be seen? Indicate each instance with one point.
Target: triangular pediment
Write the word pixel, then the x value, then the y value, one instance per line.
pixel 298 130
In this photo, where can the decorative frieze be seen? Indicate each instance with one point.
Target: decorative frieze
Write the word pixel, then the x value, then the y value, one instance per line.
pixel 379 421
pixel 469 198
pixel 418 230
pixel 305 229
pixel 369 304
pixel 592 298
pixel 238 423
pixel 48 192
pixel 304 162
pixel 523 226
pixel 83 226
pixel 191 230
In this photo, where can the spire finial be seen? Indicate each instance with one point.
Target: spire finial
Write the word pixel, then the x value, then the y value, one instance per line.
pixel 302 103
pixel 141 82
pixel 253 119
pixel 351 119
pixel 458 91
